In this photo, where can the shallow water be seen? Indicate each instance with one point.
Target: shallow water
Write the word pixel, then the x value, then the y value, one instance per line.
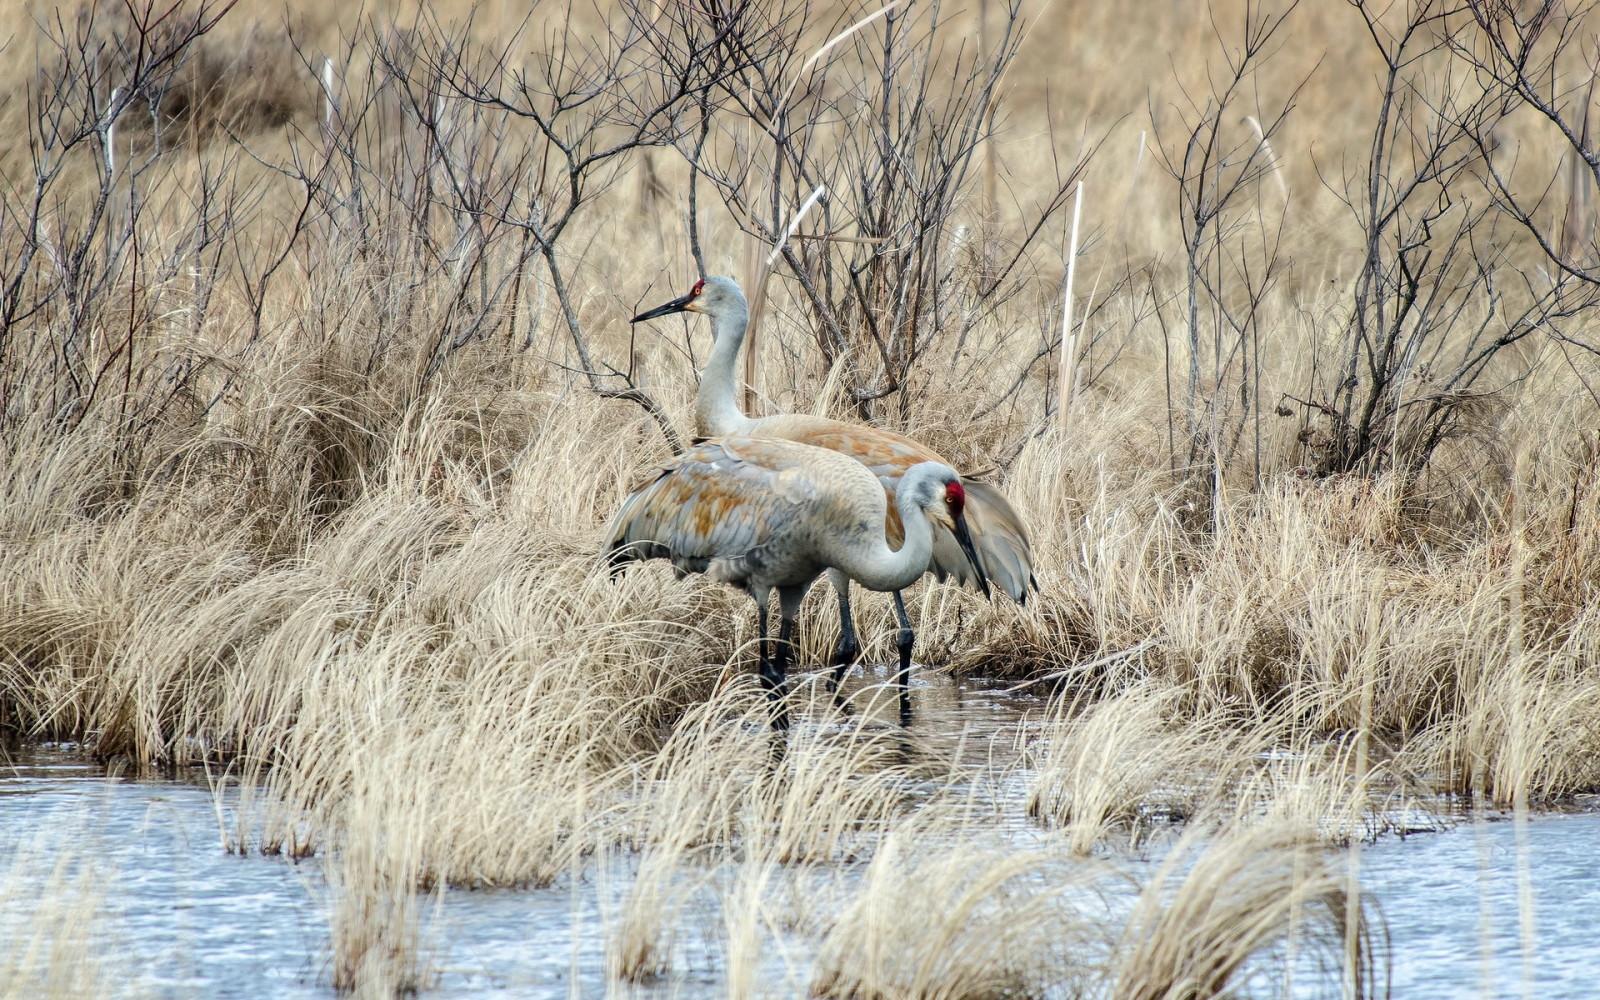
pixel 183 918
pixel 1452 902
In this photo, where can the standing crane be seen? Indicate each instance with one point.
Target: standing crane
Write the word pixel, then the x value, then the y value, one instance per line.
pixel 767 514
pixel 1002 550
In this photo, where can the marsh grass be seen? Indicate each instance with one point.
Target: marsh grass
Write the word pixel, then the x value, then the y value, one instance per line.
pixel 58 915
pixel 1219 905
pixel 303 466
pixel 987 920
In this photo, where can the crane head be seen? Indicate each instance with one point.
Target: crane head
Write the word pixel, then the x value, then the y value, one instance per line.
pixel 955 498
pixel 717 297
pixel 684 304
pixel 946 506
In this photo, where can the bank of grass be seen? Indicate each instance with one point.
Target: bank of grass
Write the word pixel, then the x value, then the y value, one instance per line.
pixel 355 576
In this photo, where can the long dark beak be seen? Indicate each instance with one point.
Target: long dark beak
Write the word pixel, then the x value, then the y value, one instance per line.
pixel 964 539
pixel 676 305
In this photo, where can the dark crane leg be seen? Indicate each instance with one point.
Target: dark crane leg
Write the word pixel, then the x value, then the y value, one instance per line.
pixel 772 668
pixel 844 655
pixel 904 643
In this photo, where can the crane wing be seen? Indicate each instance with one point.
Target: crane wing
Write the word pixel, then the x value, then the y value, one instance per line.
pixel 721 501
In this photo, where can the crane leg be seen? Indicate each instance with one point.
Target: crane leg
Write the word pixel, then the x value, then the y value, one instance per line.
pixel 904 643
pixel 761 638
pixel 772 669
pixel 844 655
pixel 777 680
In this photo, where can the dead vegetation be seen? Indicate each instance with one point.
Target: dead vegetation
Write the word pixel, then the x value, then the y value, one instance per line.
pixel 310 415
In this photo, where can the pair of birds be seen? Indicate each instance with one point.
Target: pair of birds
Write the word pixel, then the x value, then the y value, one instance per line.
pixel 772 503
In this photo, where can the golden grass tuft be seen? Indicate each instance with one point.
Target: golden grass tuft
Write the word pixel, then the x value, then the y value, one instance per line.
pixel 1246 903
pixel 988 920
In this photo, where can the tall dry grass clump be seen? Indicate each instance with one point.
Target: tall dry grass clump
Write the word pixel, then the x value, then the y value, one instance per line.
pixel 988 920
pixel 1245 907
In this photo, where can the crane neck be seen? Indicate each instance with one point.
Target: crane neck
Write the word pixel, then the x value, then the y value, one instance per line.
pixel 716 406
pixel 886 569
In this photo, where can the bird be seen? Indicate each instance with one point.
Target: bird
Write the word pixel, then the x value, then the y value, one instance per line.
pixel 1003 551
pixel 765 514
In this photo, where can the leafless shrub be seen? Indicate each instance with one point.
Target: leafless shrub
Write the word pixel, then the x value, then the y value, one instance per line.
pixel 1444 299
pixel 887 119
pixel 182 80
pixel 1231 248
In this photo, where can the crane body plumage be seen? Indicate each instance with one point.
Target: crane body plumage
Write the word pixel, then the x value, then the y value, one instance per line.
pixel 1001 550
pixel 765 514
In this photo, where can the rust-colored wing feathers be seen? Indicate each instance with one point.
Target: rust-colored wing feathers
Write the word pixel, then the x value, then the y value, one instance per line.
pixel 720 499
pixel 699 506
pixel 713 508
pixel 887 454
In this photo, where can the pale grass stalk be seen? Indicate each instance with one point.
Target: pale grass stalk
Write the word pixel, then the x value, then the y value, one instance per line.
pixel 826 47
pixel 746 924
pixel 991 206
pixel 1222 901
pixel 329 104
pixel 1577 224
pixel 110 129
pixel 1122 212
pixel 1519 723
pixel 759 273
pixel 54 921
pixel 641 940
pixel 1353 936
pixel 1069 334
pixel 1273 167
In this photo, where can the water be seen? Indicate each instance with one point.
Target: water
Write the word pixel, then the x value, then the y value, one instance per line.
pixel 182 918
pixel 1452 905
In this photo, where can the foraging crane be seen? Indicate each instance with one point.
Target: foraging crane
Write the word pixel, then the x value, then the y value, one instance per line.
pixel 1003 552
pixel 765 513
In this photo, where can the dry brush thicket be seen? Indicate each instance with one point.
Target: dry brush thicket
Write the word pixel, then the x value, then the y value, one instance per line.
pixel 316 387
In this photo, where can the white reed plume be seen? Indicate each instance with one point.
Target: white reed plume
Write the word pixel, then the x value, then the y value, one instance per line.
pixel 328 104
pixel 111 132
pixel 1069 336
pixel 1272 166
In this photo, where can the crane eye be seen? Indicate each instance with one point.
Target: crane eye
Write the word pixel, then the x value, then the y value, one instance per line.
pixel 699 286
pixel 955 497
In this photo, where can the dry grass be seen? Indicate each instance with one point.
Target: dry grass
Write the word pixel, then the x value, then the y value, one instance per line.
pixel 988 920
pixel 1243 899
pixel 54 920
pixel 303 534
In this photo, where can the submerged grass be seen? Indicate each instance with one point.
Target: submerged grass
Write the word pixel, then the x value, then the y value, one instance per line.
pixel 57 933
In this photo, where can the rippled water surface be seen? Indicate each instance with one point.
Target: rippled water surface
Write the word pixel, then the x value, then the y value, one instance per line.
pixel 1482 909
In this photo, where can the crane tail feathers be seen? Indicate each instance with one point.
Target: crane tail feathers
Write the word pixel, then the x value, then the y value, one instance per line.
pixel 1001 541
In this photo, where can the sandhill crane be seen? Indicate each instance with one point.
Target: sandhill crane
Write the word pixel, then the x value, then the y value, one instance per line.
pixel 765 513
pixel 1000 538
